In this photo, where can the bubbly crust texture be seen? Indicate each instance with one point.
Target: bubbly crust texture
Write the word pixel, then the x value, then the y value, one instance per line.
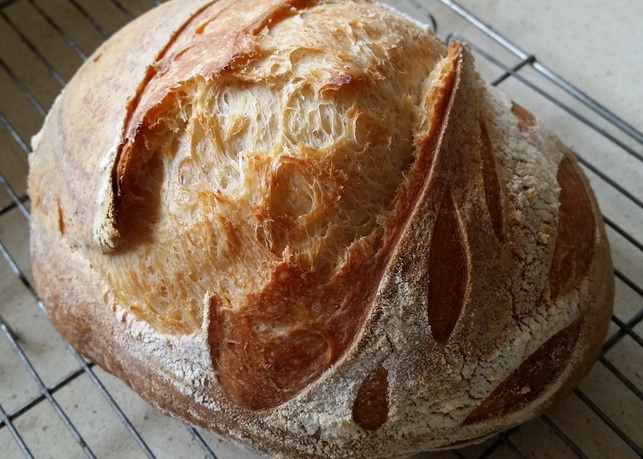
pixel 311 227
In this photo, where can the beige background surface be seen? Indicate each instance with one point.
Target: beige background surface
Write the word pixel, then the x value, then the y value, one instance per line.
pixel 593 44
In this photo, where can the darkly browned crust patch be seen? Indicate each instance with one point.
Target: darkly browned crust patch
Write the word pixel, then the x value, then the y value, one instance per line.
pixel 525 119
pixel 61 218
pixel 533 376
pixel 448 272
pixel 285 336
pixel 370 408
pixel 576 231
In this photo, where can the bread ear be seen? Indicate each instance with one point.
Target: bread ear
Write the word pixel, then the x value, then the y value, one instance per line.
pixel 457 200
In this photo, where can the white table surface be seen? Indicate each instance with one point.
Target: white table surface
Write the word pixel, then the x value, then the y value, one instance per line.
pixel 593 44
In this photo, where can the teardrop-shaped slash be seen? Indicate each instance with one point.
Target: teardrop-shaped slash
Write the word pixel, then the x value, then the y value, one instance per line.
pixel 448 271
pixel 370 408
pixel 531 378
pixel 576 231
pixel 491 183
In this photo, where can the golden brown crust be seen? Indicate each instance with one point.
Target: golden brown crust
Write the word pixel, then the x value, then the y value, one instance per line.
pixel 319 248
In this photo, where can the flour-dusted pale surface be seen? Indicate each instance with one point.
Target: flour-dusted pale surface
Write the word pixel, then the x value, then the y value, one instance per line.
pixel 311 227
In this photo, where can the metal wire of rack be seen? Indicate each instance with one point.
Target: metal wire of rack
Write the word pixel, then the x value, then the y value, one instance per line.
pixel 53 396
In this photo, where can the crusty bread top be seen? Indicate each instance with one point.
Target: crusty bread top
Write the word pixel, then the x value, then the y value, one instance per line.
pixel 243 179
pixel 316 222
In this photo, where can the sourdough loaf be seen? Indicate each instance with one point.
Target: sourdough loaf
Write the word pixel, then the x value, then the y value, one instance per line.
pixel 309 226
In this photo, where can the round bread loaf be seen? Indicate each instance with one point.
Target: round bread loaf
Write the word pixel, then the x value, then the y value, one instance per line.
pixel 311 227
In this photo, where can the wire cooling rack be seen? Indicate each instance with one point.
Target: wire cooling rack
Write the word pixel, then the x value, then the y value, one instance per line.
pixel 53 403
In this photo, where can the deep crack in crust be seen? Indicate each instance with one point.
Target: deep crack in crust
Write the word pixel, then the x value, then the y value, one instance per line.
pixel 320 247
